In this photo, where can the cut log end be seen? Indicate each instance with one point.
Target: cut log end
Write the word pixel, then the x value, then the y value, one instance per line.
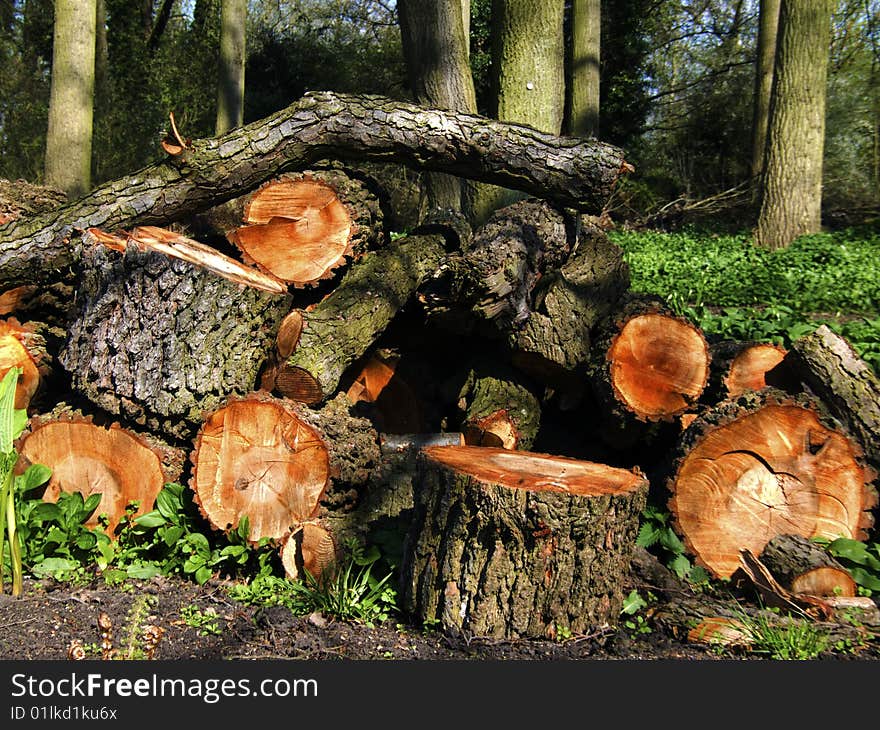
pixel 296 230
pixel 748 369
pixel 15 354
pixel 658 366
pixel 255 457
pixel 298 385
pixel 536 472
pixel 90 459
pixel 775 470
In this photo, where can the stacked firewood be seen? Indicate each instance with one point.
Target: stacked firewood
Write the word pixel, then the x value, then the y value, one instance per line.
pixel 499 396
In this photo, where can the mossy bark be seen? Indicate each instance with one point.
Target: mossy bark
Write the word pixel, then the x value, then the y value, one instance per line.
pixel 341 328
pixel 161 341
pixel 494 561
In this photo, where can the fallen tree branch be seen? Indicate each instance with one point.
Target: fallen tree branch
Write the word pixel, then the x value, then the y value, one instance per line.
pixel 574 172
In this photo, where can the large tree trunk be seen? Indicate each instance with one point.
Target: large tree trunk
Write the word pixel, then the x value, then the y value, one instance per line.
pixel 69 137
pixel 528 75
pixel 791 189
pixel 580 174
pixel 230 87
pixel 768 26
pixel 435 45
pixel 511 544
pixel 586 24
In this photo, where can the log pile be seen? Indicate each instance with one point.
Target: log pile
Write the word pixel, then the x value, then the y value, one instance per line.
pixel 498 397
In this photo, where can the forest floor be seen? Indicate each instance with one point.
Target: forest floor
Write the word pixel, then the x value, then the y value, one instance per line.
pixel 204 623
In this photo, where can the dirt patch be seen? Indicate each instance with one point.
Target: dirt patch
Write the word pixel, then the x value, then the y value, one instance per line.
pixel 205 623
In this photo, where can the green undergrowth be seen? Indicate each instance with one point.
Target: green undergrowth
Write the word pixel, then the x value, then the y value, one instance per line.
pixel 735 290
pixel 60 541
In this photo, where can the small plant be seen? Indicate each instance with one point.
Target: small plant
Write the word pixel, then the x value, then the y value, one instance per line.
pixel 793 639
pixel 207 622
pixel 861 559
pixel 636 623
pixel 657 535
pixel 140 639
pixel 349 593
pixel 12 422
pixel 561 632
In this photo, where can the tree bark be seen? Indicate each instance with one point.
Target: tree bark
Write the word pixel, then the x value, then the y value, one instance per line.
pixel 578 174
pixel 161 341
pixel 802 566
pixel 342 327
pixel 513 544
pixel 762 465
pixel 829 367
pixel 586 25
pixel 791 189
pixel 69 136
pixel 768 25
pixel 230 85
pixel 435 46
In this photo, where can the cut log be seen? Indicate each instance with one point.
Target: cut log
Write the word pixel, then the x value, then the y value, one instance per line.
pixel 579 173
pixel 343 327
pixel 16 345
pixel 302 227
pixel 161 340
pixel 740 366
pixel 802 566
pixel 500 409
pixel 827 365
pixel 763 465
pixel 512 544
pixel 84 457
pixel 647 366
pixel 310 549
pixel 554 344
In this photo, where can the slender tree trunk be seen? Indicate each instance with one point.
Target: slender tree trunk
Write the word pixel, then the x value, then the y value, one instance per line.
pixel 71 103
pixel 436 48
pixel 528 67
pixel 230 89
pixel 767 31
pixel 586 17
pixel 791 190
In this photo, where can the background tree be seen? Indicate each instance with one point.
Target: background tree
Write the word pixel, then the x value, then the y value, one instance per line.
pixel 586 23
pixel 791 188
pixel 233 53
pixel 436 50
pixel 768 25
pixel 69 135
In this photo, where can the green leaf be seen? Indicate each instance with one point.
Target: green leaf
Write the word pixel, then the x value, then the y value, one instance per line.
pixel 34 476
pixel 90 505
pixel 680 566
pixel 86 541
pixel 169 505
pixel 199 542
pixel 46 511
pixel 633 603
pixel 150 519
pixel 670 541
pixel 172 535
pixel 202 575
pixel 855 551
pixel 7 410
pixel 53 566
pixel 143 571
pixel 648 535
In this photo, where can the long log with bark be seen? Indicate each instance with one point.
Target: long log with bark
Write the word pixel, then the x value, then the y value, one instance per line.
pixel 579 173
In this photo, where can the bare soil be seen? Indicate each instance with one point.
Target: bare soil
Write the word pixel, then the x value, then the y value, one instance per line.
pixel 42 622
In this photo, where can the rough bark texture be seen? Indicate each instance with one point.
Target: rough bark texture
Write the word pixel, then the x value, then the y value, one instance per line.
pixel 577 173
pixel 762 465
pixel 500 409
pixel 435 46
pixel 829 367
pixel 69 136
pixel 486 558
pixel 161 341
pixel 568 305
pixel 341 328
pixel 802 566
pixel 791 189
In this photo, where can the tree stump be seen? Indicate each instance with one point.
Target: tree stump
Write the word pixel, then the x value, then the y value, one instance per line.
pixel 161 339
pixel 511 544
pixel 762 465
pixel 802 566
